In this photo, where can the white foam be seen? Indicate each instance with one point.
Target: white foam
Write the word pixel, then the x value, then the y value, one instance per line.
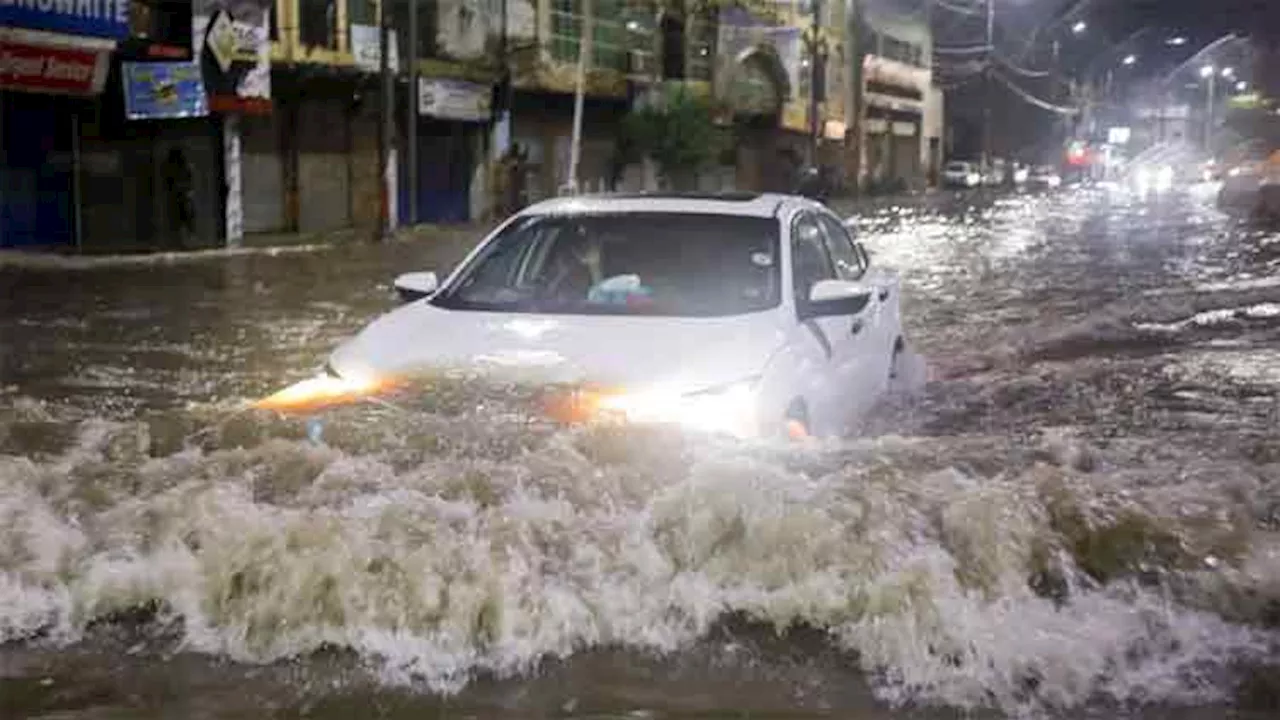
pixel 457 564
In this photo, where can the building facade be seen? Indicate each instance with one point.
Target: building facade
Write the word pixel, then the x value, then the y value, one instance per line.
pixel 171 125
pixel 56 62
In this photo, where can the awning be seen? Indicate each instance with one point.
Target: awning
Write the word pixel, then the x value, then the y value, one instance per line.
pixel 35 61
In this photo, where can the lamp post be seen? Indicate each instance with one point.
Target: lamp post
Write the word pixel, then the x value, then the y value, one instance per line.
pixel 1211 74
pixel 816 47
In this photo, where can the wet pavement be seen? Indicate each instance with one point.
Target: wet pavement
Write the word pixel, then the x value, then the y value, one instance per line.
pixel 1075 511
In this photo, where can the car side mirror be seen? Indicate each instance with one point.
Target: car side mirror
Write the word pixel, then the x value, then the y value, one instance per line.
pixel 837 297
pixel 416 285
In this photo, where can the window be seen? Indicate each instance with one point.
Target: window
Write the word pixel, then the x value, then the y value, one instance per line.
pixel 849 262
pixel 609 36
pixel 608 39
pixel 651 263
pixel 809 260
pixel 318 23
pixel 672 48
pixel 566 30
pixel 362 12
pixel 701 39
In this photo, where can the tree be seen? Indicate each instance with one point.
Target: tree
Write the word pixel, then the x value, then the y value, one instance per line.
pixel 678 131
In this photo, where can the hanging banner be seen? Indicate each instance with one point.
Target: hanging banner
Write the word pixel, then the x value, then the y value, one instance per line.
pixel 93 18
pixel 163 90
pixel 52 68
pixel 232 43
pixel 455 100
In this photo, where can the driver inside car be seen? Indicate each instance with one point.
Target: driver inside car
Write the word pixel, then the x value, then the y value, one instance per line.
pixel 576 265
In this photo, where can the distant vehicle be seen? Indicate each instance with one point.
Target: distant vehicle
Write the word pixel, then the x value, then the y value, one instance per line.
pixel 1021 174
pixel 994 175
pixel 961 174
pixel 745 315
pixel 1045 177
pixel 1240 186
pixel 1152 177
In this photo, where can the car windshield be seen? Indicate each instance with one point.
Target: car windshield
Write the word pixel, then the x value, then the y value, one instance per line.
pixel 958 167
pixel 677 264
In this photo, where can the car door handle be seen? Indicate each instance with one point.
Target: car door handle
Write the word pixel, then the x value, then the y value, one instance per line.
pixel 884 294
pixel 856 327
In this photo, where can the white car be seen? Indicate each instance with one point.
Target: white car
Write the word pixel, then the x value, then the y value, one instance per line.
pixel 961 174
pixel 746 315
pixel 1045 177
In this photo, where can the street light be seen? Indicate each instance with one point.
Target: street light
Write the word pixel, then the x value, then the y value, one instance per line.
pixel 1228 73
pixel 1176 41
pixel 1079 27
pixel 1130 59
pixel 1242 86
pixel 1206 71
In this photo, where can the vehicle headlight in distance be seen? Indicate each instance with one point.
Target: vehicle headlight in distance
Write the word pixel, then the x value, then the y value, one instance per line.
pixel 1143 178
pixel 723 409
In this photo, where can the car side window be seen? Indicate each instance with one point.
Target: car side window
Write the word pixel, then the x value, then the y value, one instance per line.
pixel 809 260
pixel 851 264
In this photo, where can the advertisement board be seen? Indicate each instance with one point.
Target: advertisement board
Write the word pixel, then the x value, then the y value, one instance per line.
pixel 455 100
pixel 50 68
pixel 92 18
pixel 162 90
pixel 232 43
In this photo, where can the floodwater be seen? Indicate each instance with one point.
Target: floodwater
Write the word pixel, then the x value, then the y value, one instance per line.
pixel 1075 511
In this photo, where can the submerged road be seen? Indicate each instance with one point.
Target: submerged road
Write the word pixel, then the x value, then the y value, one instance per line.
pixel 1076 507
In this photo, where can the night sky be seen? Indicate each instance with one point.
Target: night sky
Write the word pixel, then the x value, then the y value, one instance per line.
pixel 1116 29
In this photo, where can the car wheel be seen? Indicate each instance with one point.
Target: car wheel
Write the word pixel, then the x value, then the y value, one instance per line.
pixel 795 423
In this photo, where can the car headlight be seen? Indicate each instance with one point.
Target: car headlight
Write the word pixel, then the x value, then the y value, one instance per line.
pixel 728 409
pixel 1234 172
pixel 324 390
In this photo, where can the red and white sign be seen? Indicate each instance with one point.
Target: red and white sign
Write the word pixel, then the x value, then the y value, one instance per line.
pixel 52 69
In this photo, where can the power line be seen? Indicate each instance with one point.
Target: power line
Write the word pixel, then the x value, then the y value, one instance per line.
pixel 1019 70
pixel 1032 99
pixel 960 9
pixel 964 50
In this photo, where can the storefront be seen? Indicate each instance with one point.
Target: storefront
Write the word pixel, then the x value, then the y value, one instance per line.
pixel 453 119
pixel 895 151
pixel 48 83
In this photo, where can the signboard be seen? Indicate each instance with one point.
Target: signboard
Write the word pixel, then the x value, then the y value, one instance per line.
pixel 455 100
pixel 163 90
pixel 94 18
pixel 366 47
pixel 233 50
pixel 52 69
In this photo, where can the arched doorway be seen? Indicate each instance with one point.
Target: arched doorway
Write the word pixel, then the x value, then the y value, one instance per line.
pixel 756 92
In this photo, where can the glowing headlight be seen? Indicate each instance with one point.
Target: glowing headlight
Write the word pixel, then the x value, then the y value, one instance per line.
pixel 1234 172
pixel 1164 178
pixel 324 390
pixel 1143 178
pixel 724 409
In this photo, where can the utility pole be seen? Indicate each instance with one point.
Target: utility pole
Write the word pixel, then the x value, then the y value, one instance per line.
pixel 990 86
pixel 386 122
pixel 855 131
pixel 411 115
pixel 584 59
pixel 1209 110
pixel 817 80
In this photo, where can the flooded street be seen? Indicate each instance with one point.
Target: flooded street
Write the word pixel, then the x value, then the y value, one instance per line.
pixel 1074 513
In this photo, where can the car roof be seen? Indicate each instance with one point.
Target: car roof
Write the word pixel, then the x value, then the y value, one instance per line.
pixel 761 205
